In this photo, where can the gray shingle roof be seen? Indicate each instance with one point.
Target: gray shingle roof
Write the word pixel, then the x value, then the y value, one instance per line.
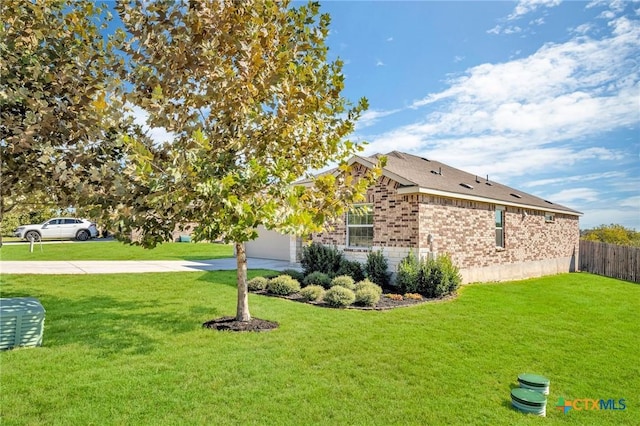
pixel 417 174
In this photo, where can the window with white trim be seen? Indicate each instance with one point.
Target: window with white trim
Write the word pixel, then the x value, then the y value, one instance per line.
pixel 549 217
pixel 360 226
pixel 500 227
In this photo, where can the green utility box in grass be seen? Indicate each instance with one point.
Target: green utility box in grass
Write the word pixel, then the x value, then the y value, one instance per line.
pixel 21 322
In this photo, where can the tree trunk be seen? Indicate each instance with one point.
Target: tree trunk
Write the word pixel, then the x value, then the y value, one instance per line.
pixel 242 313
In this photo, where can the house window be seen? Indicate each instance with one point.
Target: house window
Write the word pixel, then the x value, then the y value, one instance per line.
pixel 499 227
pixel 549 217
pixel 360 226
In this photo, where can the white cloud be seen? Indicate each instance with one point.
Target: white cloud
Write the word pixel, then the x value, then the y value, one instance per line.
pixel 575 194
pixel 529 114
pixel 370 117
pixel 157 134
pixel 577 178
pixel 379 63
pixel 633 202
pixel 390 39
pixel 525 7
pixel 458 58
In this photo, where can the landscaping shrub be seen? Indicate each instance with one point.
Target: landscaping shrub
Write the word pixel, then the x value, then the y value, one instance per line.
pixel 296 275
pixel 394 296
pixel 438 277
pixel 257 283
pixel 408 273
pixel 339 296
pixel 368 284
pixel 318 278
pixel 376 268
pixel 367 294
pixel 343 280
pixel 352 268
pixel 318 257
pixel 413 296
pixel 283 285
pixel 450 274
pixel 312 293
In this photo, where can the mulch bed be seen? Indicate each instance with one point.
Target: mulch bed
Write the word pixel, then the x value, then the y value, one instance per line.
pixel 231 324
pixel 256 324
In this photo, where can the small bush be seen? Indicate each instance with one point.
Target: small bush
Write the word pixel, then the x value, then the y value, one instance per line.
pixel 283 285
pixel 428 277
pixel 393 296
pixel 296 275
pixel 318 278
pixel 376 268
pixel 312 293
pixel 352 268
pixel 318 257
pixel 343 280
pixel 339 296
pixel 257 283
pixel 414 296
pixel 368 294
pixel 407 275
pixel 368 284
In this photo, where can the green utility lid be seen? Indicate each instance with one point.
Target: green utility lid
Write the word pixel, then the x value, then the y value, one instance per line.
pixel 533 379
pixel 528 396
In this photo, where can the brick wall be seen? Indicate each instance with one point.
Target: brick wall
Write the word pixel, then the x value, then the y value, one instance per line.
pixel 431 225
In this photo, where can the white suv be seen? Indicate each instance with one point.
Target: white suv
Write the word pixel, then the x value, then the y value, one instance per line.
pixel 58 229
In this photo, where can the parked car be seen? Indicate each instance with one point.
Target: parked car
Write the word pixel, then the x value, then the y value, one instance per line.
pixel 59 228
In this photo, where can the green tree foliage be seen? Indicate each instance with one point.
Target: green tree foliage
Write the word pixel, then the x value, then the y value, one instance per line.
pixel 59 109
pixel 253 104
pixel 613 234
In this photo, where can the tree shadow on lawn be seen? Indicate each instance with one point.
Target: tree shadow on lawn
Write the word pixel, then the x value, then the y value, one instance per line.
pixel 113 326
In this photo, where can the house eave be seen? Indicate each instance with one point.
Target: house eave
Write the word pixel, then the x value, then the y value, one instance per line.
pixel 419 190
pixel 369 164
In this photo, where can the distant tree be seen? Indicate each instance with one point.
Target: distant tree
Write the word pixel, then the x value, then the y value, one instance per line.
pixel 58 103
pixel 613 234
pixel 253 104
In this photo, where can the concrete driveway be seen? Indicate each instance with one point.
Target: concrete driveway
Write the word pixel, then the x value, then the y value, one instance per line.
pixel 135 266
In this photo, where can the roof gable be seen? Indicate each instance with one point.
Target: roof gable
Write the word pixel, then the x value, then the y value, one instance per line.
pixel 421 175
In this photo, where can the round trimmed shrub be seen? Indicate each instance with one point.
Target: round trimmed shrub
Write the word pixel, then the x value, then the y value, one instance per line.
pixel 344 281
pixel 366 283
pixel 283 285
pixel 312 293
pixel 257 283
pixel 367 296
pixel 339 296
pixel 317 278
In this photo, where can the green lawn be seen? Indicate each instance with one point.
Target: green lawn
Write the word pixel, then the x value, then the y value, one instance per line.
pixel 114 250
pixel 130 350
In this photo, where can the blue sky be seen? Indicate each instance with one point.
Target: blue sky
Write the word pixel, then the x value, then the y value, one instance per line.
pixel 541 95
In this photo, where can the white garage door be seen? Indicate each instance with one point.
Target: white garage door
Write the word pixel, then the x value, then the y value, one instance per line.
pixel 269 245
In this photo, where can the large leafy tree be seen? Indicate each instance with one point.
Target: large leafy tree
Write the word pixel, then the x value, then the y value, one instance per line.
pixel 613 234
pixel 252 102
pixel 59 113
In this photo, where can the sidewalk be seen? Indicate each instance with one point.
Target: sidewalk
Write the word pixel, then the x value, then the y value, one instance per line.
pixel 135 266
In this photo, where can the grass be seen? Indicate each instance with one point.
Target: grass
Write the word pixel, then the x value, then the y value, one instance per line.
pixel 114 250
pixel 131 350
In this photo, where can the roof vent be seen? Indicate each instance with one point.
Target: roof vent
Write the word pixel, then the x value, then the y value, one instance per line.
pixel 516 195
pixel 466 185
pixel 425 159
pixel 439 172
pixel 477 180
pixel 547 201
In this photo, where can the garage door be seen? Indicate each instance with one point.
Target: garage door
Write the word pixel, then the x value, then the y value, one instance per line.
pixel 269 245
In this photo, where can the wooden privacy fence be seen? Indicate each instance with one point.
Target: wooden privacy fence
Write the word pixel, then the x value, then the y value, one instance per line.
pixel 610 260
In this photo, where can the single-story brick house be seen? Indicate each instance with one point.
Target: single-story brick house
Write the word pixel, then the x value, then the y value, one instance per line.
pixel 492 232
